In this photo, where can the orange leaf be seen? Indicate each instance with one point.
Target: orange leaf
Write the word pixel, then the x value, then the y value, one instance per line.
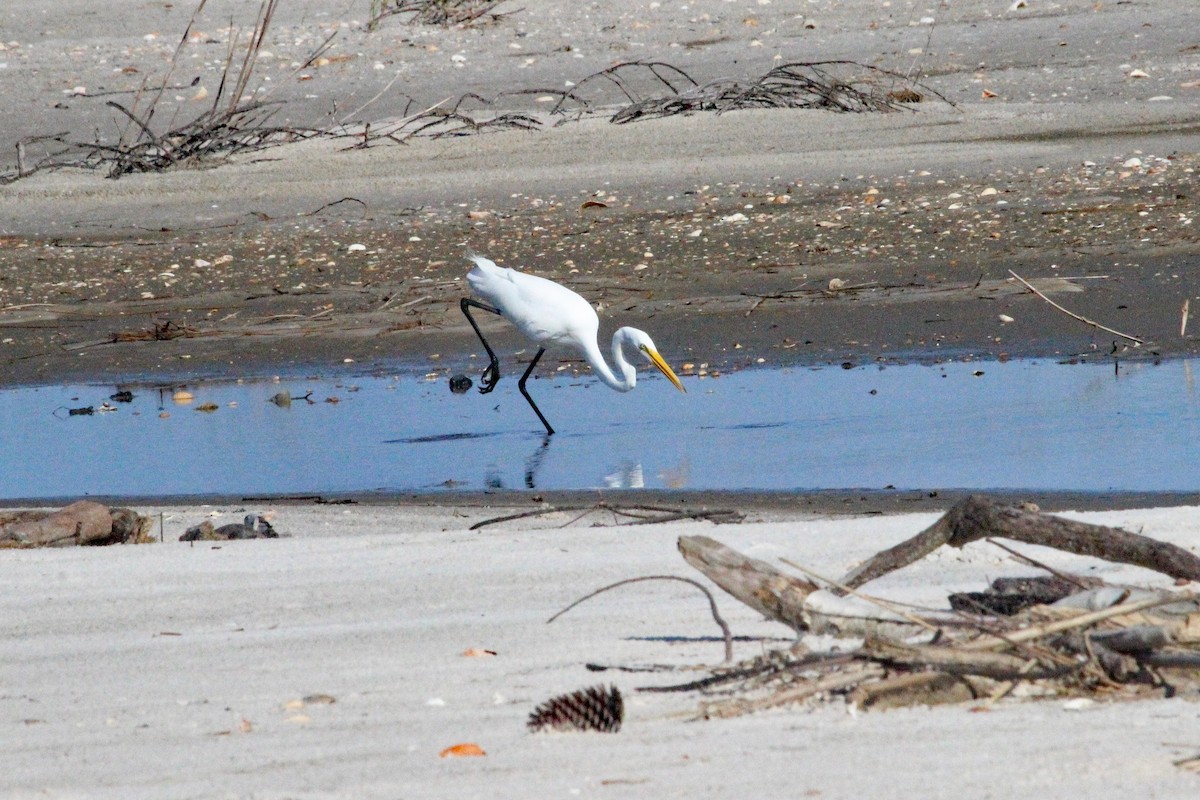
pixel 460 750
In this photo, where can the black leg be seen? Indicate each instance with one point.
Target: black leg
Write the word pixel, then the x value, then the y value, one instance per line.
pixel 521 386
pixel 491 375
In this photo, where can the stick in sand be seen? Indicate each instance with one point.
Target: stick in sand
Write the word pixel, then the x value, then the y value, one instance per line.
pixel 726 633
pixel 1072 314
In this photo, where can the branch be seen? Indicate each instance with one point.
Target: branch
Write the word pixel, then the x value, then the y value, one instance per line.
pixel 978 517
pixel 1072 314
pixel 712 603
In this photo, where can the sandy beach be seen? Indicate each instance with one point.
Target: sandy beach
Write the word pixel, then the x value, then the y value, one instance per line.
pixel 179 670
pixel 1054 139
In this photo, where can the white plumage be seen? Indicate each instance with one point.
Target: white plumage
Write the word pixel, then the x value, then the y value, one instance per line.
pixel 552 315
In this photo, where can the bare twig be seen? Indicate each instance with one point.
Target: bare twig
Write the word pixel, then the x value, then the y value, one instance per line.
pixel 830 683
pixel 1072 314
pixel 347 117
pixel 661 514
pixel 712 604
pixel 417 301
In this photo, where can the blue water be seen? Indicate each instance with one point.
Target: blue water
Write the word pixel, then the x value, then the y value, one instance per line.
pixel 1019 425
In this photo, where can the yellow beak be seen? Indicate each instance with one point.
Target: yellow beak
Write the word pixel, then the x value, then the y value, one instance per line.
pixel 657 361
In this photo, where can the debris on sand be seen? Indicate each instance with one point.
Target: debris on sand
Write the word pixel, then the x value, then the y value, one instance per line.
pixel 1057 636
pixel 597 708
pixel 252 526
pixel 84 522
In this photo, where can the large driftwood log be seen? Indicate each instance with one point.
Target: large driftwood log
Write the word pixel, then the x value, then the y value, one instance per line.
pixel 797 603
pixel 980 517
pixel 84 522
pixel 772 593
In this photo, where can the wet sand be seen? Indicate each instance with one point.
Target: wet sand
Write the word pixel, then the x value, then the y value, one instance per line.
pixel 316 258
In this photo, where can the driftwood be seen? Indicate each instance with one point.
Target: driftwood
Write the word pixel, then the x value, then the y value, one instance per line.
pixel 959 661
pixel 979 517
pixel 726 634
pixel 81 523
pixel 801 605
pixel 1098 638
pixel 1008 596
pixel 637 514
pixel 772 593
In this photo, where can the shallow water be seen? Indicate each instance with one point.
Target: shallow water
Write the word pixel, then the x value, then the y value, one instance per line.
pixel 1020 425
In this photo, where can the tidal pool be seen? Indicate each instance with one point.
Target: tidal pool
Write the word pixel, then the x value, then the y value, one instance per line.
pixel 1035 425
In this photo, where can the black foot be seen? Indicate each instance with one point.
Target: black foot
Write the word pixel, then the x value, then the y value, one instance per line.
pixel 490 377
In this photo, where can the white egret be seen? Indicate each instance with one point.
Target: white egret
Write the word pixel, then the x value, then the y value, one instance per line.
pixel 552 315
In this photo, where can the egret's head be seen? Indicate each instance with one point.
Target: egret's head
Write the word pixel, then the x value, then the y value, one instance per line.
pixel 646 346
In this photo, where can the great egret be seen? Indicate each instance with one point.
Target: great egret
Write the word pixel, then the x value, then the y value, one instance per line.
pixel 551 315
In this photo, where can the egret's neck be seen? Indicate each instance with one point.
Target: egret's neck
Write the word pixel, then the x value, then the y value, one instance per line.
pixel 593 356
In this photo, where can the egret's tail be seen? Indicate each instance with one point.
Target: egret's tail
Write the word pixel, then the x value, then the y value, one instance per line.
pixel 483 275
pixel 481 262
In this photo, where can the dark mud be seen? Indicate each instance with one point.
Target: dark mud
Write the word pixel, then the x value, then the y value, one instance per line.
pixel 778 272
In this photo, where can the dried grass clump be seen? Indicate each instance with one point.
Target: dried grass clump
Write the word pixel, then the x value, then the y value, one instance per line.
pixel 446 13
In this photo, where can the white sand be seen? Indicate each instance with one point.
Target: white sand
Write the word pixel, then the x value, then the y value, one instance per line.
pixel 374 606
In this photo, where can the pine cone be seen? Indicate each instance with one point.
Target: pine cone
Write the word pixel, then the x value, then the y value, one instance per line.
pixel 596 708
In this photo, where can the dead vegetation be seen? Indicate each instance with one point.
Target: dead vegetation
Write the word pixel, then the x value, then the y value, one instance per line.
pixel 235 122
pixel 845 86
pixel 238 121
pixel 441 120
pixel 1053 635
pixel 446 13
pixel 639 90
pixel 157 332
pixel 642 90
